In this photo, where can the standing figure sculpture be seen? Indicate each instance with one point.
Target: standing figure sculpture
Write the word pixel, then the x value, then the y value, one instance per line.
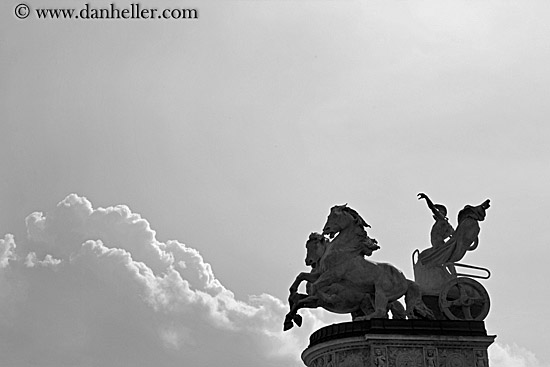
pixel 480 359
pixel 379 358
pixel 430 358
pixel 441 230
pixel 465 237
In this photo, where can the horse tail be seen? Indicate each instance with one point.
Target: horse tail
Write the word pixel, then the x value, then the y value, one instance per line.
pixel 413 302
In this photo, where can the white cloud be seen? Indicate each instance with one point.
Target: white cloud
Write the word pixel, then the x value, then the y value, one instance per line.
pixel 7 247
pixel 31 261
pixel 512 356
pixel 94 287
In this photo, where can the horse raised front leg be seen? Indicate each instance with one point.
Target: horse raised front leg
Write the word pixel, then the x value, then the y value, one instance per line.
pixel 295 299
pixel 292 317
pixel 309 277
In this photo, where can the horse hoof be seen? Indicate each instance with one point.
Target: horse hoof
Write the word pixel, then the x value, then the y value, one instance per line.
pixel 298 320
pixel 287 326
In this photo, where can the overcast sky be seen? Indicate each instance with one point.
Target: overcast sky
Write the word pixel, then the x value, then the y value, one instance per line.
pixel 160 177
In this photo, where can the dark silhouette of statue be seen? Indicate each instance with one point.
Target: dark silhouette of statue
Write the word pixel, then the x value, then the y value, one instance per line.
pixel 465 237
pixel 442 229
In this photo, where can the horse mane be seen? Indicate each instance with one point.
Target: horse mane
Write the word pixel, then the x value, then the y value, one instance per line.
pixel 358 219
pixel 314 236
pixel 369 244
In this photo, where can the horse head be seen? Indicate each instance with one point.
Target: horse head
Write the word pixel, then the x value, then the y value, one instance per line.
pixel 340 218
pixel 315 246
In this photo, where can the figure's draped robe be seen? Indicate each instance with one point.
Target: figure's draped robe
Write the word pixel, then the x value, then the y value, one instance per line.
pixel 464 239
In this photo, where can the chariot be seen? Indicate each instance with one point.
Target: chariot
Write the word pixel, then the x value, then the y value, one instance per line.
pixel 452 295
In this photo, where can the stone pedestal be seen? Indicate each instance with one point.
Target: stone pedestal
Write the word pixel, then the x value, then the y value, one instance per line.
pixel 399 343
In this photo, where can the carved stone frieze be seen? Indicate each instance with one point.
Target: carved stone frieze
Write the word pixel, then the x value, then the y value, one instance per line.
pixel 351 358
pixel 454 357
pixel 405 357
pixel 406 349
pixel 324 360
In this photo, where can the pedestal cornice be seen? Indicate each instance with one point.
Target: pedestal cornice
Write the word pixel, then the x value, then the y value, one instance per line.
pixel 399 343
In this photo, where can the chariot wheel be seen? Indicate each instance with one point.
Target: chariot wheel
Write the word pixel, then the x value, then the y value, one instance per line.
pixel 464 299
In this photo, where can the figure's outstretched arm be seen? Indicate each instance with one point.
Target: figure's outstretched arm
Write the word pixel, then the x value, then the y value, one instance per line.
pixel 431 205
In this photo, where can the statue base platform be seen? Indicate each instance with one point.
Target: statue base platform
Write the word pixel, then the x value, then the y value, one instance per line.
pixel 399 343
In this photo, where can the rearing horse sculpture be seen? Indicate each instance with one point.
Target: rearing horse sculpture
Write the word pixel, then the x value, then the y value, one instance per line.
pixel 343 281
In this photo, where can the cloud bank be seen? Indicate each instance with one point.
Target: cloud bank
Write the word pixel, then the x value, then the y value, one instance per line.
pixel 512 356
pixel 94 287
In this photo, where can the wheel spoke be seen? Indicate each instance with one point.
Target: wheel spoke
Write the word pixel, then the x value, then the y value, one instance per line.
pixel 467 313
pixel 464 299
